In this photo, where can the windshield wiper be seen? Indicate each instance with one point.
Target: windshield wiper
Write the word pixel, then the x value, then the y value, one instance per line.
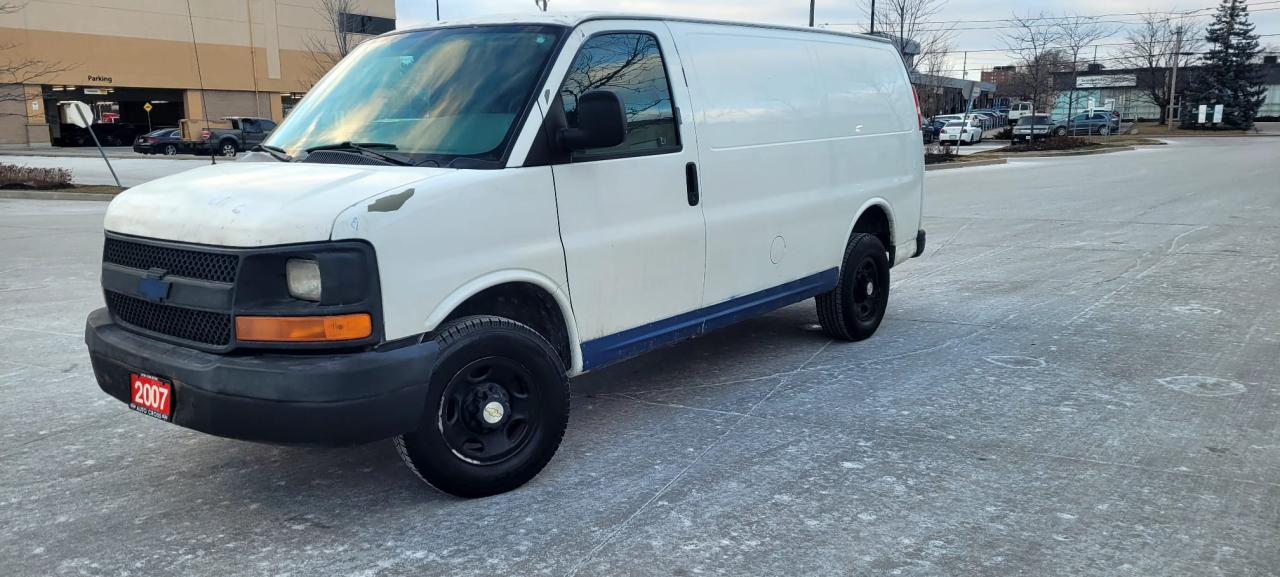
pixel 365 148
pixel 275 151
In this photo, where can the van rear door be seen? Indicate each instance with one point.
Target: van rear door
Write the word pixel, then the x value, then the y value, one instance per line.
pixel 630 216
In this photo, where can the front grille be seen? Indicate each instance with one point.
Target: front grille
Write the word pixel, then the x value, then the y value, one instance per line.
pixel 209 266
pixel 186 324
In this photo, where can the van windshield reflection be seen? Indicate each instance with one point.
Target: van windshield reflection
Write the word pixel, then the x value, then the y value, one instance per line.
pixel 433 95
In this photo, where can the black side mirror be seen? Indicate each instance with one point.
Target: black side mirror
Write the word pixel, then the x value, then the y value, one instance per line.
pixel 602 122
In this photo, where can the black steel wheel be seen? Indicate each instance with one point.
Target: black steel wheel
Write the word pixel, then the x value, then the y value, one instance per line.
pixel 486 413
pixel 854 309
pixel 496 410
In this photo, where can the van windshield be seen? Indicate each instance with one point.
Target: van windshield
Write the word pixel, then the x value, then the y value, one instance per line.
pixel 431 95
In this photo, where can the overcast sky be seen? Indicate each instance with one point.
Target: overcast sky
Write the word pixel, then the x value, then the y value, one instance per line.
pixel 837 13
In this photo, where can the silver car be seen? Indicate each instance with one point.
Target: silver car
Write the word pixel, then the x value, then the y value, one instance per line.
pixel 1037 126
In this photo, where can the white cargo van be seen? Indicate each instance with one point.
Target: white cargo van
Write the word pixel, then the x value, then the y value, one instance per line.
pixel 457 219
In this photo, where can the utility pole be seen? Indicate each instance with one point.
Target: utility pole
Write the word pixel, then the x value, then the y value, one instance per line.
pixel 1173 84
pixel 437 10
pixel 873 16
pixel 811 3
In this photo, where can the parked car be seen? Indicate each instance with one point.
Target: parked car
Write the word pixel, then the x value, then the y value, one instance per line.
pixel 245 133
pixel 109 134
pixel 403 268
pixel 166 141
pixel 1103 123
pixel 1037 126
pixel 1020 109
pixel 935 126
pixel 960 132
pixel 927 133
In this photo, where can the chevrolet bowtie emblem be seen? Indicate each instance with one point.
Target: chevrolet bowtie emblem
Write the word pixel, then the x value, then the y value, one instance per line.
pixel 153 287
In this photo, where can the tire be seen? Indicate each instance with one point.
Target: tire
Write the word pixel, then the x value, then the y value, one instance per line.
pixel 458 448
pixel 1104 130
pixel 169 150
pixel 1060 131
pixel 853 310
pixel 228 148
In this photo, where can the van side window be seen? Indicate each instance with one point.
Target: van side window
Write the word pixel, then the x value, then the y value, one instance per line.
pixel 629 64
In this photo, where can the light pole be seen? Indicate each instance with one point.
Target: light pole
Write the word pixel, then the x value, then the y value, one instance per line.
pixel 437 10
pixel 1173 83
pixel 811 3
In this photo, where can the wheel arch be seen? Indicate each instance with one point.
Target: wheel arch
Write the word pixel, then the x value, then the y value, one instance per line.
pixel 875 216
pixel 523 296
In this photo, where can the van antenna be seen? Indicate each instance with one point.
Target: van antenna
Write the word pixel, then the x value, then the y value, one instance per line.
pixel 204 109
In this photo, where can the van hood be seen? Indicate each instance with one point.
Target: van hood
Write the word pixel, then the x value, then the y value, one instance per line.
pixel 249 204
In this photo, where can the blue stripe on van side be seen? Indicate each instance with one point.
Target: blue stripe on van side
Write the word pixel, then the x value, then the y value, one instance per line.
pixel 610 349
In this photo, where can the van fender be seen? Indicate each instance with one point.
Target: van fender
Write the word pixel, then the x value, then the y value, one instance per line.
pixel 490 280
pixel 888 210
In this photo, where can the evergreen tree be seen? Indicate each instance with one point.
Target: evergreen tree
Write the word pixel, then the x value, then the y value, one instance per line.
pixel 1231 75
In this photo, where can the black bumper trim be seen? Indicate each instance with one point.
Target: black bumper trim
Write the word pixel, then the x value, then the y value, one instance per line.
pixel 334 399
pixel 919 243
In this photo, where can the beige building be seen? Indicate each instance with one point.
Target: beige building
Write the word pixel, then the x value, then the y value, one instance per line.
pixel 252 57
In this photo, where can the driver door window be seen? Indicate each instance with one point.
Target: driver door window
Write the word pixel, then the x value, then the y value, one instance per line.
pixel 630 65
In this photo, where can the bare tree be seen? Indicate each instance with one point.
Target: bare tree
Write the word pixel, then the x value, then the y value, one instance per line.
pixel 932 67
pixel 337 41
pixel 16 72
pixel 1035 48
pixel 1075 33
pixel 913 28
pixel 541 4
pixel 1151 50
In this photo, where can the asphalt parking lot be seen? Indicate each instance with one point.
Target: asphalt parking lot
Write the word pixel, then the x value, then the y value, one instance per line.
pixel 1081 377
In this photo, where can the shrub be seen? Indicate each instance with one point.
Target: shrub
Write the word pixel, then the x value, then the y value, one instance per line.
pixel 1005 134
pixel 1051 143
pixel 32 178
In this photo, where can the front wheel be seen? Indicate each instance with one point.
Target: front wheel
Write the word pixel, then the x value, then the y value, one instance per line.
pixel 853 310
pixel 497 406
pixel 170 150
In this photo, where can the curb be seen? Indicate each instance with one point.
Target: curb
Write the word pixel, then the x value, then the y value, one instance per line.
pixel 55 195
pixel 1055 153
pixel 951 165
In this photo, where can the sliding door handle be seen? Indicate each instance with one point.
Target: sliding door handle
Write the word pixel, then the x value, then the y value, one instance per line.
pixel 691 183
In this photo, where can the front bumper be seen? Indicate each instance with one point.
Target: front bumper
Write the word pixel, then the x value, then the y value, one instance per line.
pixel 331 399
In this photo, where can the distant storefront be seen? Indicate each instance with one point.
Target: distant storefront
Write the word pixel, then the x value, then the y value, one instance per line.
pixel 134 61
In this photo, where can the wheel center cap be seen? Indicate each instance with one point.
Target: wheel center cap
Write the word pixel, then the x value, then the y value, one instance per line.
pixel 871 288
pixel 493 412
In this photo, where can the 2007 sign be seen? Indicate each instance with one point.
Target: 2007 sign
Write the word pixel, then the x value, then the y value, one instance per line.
pixel 151 396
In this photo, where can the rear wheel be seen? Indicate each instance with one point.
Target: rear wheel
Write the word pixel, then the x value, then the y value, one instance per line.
pixel 1060 131
pixel 853 310
pixel 497 407
pixel 228 148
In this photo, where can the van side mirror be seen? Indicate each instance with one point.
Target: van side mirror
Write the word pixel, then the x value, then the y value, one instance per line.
pixel 602 122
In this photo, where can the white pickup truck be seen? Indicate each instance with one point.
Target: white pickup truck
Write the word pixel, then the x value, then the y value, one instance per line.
pixel 459 218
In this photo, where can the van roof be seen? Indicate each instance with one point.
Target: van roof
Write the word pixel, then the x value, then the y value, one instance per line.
pixel 572 19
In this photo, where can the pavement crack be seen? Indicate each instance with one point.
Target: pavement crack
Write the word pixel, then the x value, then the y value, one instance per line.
pixel 663 490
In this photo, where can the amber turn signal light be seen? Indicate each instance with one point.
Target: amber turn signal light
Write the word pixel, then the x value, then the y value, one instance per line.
pixel 304 329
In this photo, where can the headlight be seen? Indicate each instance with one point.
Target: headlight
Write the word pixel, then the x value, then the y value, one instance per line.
pixel 304 279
